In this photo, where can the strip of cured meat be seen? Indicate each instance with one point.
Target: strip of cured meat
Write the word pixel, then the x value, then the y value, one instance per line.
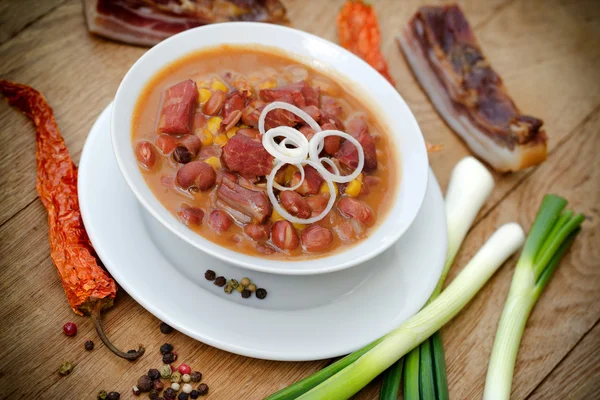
pixel 147 22
pixel 450 66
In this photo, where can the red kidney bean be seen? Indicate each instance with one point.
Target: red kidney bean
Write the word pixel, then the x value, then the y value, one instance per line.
pixel 317 204
pixel 235 102
pixel 199 120
pixel 192 143
pixel 214 105
pixel 196 175
pixel 219 221
pixel 251 113
pixel 257 232
pixel 369 182
pixel 250 132
pixel 307 131
pixel 284 236
pixel 265 248
pixel 146 154
pixel 352 208
pixel 166 143
pixel 331 143
pixel 317 238
pixel 313 111
pixel 191 216
pixel 231 120
pixel 295 204
pixel 182 155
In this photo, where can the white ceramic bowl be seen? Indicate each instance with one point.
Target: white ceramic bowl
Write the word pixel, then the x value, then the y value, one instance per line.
pixel 320 54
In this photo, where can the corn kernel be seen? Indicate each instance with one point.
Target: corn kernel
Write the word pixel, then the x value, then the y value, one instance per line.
pixel 298 226
pixel 360 177
pixel 214 124
pixel 270 83
pixel 275 216
pixel 218 85
pixel 353 188
pixel 325 188
pixel 206 137
pixel 213 162
pixel 232 132
pixel 290 170
pixel 221 139
pixel 203 95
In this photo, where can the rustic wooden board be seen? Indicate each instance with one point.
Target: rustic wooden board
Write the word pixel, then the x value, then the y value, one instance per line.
pixel 546 51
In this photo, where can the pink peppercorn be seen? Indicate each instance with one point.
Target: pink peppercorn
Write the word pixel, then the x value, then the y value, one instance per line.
pixel 70 329
pixel 184 369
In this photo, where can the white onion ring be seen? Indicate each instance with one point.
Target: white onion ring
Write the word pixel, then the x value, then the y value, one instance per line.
pixel 289 107
pixel 283 212
pixel 284 188
pixel 305 152
pixel 313 152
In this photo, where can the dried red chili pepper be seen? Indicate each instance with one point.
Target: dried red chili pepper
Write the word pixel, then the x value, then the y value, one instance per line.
pixel 89 289
pixel 358 31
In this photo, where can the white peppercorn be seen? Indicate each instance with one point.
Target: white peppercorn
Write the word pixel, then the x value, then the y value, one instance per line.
pixel 187 388
pixel 175 386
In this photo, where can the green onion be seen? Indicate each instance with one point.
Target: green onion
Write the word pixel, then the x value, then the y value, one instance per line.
pixel 501 245
pixel 550 237
pixel 389 390
pixel 470 186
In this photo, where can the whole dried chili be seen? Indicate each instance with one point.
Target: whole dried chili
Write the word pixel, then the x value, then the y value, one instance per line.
pixel 358 31
pixel 89 289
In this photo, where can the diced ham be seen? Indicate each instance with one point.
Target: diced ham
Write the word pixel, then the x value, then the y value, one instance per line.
pixel 247 157
pixel 177 116
pixel 300 93
pixel 312 181
pixel 348 155
pixel 254 204
pixel 332 107
pixel 280 117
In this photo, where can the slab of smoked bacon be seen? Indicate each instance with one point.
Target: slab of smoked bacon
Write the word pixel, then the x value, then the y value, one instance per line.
pixel 147 22
pixel 450 66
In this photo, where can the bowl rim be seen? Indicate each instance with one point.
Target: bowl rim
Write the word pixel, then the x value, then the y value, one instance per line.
pixel 238 258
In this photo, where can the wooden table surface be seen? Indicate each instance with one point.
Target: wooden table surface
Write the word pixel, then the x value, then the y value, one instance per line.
pixel 547 51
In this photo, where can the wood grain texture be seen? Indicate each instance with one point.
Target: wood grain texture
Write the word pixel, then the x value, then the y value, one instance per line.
pixel 15 16
pixel 546 51
pixel 581 362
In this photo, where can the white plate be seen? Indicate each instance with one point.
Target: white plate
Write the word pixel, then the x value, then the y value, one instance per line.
pixel 302 318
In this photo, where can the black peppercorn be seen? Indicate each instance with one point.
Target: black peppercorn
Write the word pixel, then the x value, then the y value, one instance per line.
pixel 169 394
pixel 153 374
pixel 182 396
pixel 169 358
pixel 153 395
pixel 144 383
pixel 203 389
pixel 194 394
pixel 113 396
pixel 261 293
pixel 196 376
pixel 182 155
pixel 246 293
pixel 158 385
pixel 89 345
pixel 220 281
pixel 166 329
pixel 166 348
pixel 210 275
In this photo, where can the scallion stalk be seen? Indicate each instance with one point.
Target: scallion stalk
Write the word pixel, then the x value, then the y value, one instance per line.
pixel 501 245
pixel 551 235
pixel 469 187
